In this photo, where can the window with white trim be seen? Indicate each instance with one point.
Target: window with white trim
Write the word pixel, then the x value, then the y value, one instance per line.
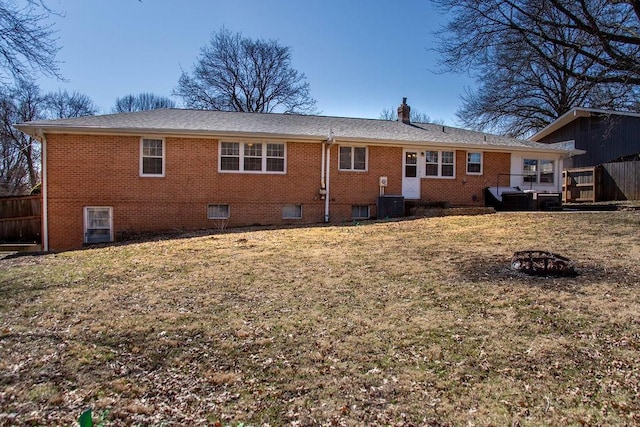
pixel 217 211
pixel 275 157
pixel 474 163
pixel 360 212
pixel 292 212
pixel 546 171
pixel 230 156
pixel 440 164
pixel 98 224
pixel 538 171
pixel 152 157
pixel 252 157
pixel 353 158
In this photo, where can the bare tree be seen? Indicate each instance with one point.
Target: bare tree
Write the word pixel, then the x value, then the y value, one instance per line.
pixel 20 153
pixel 612 36
pixel 521 92
pixel 27 42
pixel 534 62
pixel 142 101
pixel 14 176
pixel 415 116
pixel 234 73
pixel 62 104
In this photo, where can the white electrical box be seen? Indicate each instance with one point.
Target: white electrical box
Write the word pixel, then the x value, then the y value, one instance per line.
pixel 383 181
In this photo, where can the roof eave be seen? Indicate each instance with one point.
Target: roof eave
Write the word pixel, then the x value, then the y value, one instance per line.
pixel 574 114
pixel 37 129
pixel 90 130
pixel 561 121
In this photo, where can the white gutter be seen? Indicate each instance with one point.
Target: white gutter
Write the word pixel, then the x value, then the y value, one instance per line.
pixel 44 191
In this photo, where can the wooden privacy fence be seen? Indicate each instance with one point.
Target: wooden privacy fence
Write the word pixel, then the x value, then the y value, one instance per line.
pixel 20 219
pixel 607 182
pixel 620 181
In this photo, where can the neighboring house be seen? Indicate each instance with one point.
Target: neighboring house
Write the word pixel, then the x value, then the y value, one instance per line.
pixel 107 176
pixel 606 136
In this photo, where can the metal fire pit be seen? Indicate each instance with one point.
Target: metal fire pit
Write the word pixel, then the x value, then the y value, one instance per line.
pixel 542 263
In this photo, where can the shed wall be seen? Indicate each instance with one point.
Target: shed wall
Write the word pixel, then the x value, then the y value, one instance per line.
pixel 605 138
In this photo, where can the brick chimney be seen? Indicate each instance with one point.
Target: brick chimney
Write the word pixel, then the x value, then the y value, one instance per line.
pixel 404 112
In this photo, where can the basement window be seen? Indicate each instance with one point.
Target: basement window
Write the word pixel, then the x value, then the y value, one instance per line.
pixel 217 211
pixel 360 212
pixel 98 224
pixel 292 212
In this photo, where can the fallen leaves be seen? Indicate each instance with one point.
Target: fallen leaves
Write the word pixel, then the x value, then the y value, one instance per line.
pixel 403 323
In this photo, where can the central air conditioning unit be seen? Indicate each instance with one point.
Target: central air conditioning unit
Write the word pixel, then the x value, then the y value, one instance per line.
pixel 390 207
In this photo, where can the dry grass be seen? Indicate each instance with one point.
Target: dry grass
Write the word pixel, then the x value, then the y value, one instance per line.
pixel 400 323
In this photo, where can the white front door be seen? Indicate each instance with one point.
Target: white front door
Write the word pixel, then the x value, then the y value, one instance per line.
pixel 410 175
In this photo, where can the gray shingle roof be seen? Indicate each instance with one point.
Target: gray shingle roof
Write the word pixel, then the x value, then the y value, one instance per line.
pixel 289 126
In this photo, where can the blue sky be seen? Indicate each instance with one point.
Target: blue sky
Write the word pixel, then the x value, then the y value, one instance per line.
pixel 359 57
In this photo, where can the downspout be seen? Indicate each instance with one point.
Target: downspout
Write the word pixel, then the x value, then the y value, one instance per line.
pixel 326 188
pixel 322 181
pixel 328 145
pixel 44 191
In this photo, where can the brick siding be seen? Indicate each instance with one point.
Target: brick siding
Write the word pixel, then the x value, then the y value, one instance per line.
pixel 104 170
pixel 466 190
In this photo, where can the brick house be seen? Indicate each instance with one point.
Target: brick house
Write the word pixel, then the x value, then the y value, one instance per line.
pixel 173 169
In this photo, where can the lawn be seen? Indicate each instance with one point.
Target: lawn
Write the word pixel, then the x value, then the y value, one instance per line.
pixel 417 322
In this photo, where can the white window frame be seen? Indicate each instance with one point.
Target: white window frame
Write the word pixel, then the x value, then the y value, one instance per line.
pixel 481 162
pixel 288 211
pixel 88 226
pixel 216 206
pixel 538 172
pixel 440 164
pixel 267 157
pixel 143 156
pixel 352 160
pixel 552 173
pixel 264 151
pixel 359 207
